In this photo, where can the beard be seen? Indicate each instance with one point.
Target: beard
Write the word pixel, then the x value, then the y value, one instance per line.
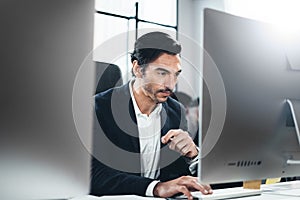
pixel 159 95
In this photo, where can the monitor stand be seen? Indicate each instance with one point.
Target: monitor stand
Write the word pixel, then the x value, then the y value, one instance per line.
pixel 294 106
pixel 253 184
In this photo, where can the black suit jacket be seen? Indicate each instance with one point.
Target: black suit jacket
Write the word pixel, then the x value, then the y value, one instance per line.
pixel 116 159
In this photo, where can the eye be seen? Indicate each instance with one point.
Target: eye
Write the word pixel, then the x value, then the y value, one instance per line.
pixel 162 73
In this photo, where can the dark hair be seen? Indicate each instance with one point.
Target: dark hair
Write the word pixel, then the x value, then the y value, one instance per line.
pixel 150 46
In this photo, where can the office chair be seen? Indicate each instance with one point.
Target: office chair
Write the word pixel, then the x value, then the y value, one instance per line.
pixel 107 76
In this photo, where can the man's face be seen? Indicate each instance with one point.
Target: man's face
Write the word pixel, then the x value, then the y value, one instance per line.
pixel 160 77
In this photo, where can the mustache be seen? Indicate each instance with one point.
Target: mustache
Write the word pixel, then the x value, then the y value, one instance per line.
pixel 165 90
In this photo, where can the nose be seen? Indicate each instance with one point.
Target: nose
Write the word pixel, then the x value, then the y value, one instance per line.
pixel 170 81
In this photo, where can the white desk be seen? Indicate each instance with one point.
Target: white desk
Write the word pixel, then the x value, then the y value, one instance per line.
pixel 279 191
pixel 285 190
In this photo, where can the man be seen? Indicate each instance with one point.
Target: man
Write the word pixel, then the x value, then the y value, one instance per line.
pixel 143 147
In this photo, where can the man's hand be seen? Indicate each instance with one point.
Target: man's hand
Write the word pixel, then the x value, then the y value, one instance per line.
pixel 181 142
pixel 184 184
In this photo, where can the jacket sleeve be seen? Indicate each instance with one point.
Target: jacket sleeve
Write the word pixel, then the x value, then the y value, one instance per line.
pixel 108 181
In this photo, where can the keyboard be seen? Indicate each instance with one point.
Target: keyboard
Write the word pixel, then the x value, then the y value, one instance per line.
pixel 227 193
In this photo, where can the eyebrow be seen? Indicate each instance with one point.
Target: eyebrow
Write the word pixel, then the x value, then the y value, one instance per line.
pixel 165 70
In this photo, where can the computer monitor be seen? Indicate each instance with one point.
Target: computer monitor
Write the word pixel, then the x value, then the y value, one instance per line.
pixel 43 154
pixel 250 102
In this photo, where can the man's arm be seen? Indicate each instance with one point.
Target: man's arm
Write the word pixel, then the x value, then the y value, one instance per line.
pixel 108 181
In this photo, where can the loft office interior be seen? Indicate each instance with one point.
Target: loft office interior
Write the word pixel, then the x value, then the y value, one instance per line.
pixel 45 43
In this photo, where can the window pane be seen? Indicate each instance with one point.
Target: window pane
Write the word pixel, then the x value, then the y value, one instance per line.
pixel 107 27
pixel 146 27
pixel 119 7
pixel 160 11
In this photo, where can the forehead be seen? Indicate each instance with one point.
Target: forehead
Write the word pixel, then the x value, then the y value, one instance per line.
pixel 170 62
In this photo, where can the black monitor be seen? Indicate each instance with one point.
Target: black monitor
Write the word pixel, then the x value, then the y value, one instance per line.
pixel 250 106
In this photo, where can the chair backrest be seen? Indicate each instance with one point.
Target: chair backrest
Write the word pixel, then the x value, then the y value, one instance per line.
pixel 107 76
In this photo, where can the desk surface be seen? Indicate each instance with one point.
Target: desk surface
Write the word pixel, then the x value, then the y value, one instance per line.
pixel 279 191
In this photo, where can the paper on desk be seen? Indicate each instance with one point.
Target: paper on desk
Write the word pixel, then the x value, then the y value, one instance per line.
pixel 273 180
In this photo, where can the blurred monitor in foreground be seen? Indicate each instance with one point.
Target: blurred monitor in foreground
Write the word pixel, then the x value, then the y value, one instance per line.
pixel 43 44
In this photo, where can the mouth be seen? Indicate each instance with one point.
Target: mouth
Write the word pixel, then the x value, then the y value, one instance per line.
pixel 166 92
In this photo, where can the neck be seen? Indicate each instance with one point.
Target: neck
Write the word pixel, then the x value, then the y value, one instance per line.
pixel 143 101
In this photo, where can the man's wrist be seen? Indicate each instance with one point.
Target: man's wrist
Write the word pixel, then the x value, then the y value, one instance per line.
pixel 192 159
pixel 195 154
pixel 156 190
pixel 150 188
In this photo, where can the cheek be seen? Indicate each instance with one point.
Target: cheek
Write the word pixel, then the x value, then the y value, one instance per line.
pixel 151 87
pixel 153 81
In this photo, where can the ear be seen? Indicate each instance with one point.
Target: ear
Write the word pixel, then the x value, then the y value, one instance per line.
pixel 137 70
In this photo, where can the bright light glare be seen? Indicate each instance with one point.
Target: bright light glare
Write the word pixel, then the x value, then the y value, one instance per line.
pixel 282 13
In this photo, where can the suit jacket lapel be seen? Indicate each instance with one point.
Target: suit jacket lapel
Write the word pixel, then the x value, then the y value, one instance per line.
pixel 135 139
pixel 131 120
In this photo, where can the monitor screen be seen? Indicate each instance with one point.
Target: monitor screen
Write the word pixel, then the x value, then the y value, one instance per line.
pixel 43 44
pixel 250 89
